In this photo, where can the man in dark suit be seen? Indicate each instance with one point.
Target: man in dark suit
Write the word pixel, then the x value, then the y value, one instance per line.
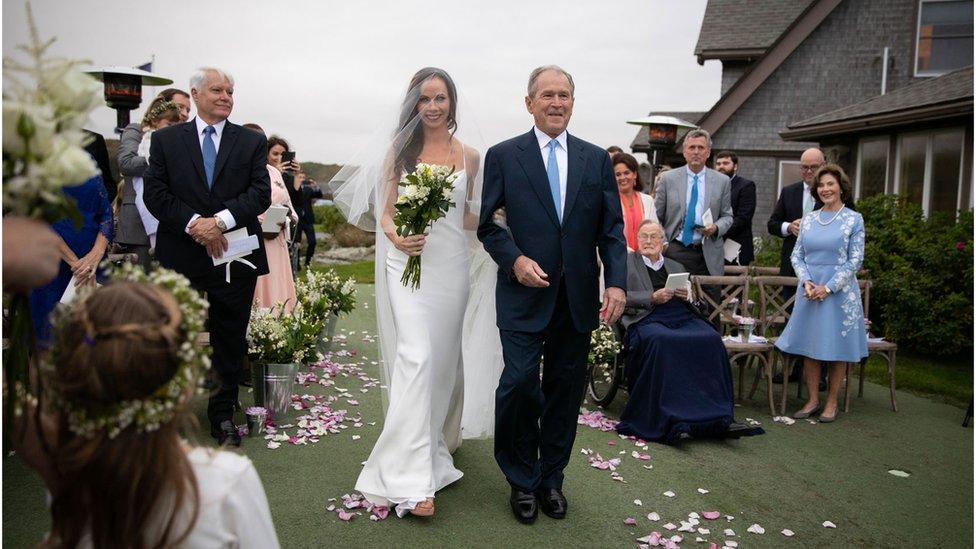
pixel 205 177
pixel 743 206
pixel 794 202
pixel 561 204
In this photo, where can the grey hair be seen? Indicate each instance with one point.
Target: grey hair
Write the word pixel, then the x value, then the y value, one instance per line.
pixel 534 77
pixel 650 222
pixel 698 132
pixel 200 76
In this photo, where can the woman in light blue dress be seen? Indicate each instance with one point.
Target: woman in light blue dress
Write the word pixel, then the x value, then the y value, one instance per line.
pixel 827 323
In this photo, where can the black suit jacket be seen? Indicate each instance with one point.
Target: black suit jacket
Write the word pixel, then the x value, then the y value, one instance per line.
pixel 789 207
pixel 743 208
pixel 176 188
pixel 515 179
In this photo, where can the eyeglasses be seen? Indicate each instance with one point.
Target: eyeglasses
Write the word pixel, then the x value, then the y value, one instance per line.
pixel 810 168
pixel 649 237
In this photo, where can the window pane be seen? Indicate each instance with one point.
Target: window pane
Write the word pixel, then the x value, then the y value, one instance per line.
pixel 946 158
pixel 874 167
pixel 789 172
pixel 911 175
pixel 945 36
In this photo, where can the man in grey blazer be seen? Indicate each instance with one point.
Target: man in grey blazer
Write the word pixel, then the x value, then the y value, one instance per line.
pixel 691 241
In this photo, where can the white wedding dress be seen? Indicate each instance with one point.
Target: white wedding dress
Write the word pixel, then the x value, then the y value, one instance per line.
pixel 412 457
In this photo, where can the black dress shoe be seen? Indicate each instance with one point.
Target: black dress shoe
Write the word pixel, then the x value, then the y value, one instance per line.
pixel 524 506
pixel 553 502
pixel 226 433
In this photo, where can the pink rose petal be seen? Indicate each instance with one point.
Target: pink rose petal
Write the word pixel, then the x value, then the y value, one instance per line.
pixel 630 521
pixel 711 515
pixel 345 516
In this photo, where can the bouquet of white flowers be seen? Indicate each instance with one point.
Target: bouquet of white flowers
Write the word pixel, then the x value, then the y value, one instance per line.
pixel 427 197
pixel 323 292
pixel 603 348
pixel 274 337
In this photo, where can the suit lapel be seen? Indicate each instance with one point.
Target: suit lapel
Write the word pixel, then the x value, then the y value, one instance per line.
pixel 574 173
pixel 192 143
pixel 227 142
pixel 530 158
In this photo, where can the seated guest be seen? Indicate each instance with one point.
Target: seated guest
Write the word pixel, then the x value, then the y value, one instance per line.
pixel 113 460
pixel 635 205
pixel 677 367
pixel 827 323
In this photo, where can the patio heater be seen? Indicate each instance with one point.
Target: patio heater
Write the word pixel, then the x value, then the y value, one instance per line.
pixel 662 134
pixel 123 89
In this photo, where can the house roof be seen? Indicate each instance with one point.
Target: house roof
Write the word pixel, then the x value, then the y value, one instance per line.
pixel 639 144
pixel 930 99
pixel 744 29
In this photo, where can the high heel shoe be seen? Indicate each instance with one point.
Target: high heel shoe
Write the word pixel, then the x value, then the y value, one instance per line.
pixel 424 508
pixel 800 414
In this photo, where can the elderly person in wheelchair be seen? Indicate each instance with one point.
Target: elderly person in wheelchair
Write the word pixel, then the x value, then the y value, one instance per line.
pixel 677 367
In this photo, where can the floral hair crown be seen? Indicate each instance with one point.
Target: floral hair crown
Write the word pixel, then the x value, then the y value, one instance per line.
pixel 149 413
pixel 159 110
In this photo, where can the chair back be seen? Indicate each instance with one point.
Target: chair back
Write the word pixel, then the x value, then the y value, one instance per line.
pixel 765 271
pixel 774 308
pixel 736 270
pixel 732 288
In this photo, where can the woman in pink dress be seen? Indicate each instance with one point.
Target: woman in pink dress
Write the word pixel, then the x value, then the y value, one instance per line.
pixel 277 288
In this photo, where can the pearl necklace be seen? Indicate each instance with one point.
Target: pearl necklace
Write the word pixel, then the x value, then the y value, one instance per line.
pixel 831 219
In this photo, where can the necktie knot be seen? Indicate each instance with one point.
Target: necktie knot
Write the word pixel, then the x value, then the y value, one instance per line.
pixel 553 145
pixel 209 130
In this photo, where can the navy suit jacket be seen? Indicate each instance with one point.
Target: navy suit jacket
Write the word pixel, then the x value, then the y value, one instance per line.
pixel 176 188
pixel 515 179
pixel 743 208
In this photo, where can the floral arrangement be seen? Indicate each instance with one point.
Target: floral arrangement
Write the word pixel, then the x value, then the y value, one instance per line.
pixel 149 413
pixel 276 337
pixel 603 347
pixel 426 198
pixel 321 293
pixel 45 103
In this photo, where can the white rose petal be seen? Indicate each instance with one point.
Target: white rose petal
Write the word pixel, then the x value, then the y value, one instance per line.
pixel 669 494
pixel 702 491
pixel 788 533
pixel 899 473
pixel 638 502
pixel 828 524
pixel 653 516
pixel 756 529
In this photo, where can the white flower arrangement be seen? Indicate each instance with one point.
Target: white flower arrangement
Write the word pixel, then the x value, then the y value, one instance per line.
pixel 274 337
pixel 46 101
pixel 149 413
pixel 427 197
pixel 321 293
pixel 603 348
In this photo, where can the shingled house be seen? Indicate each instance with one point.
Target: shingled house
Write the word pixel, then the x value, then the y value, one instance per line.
pixel 885 87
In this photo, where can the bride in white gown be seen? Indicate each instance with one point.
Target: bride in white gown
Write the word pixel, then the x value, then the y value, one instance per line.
pixel 422 332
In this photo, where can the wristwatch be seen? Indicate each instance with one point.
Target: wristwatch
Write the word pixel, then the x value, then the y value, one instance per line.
pixel 220 223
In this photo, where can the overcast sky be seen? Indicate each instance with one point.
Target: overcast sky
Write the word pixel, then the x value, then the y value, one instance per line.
pixel 324 74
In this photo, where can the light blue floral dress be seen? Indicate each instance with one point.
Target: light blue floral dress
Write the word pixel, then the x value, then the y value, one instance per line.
pixel 831 254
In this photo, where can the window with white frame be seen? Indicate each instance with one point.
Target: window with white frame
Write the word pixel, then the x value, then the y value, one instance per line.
pixel 929 169
pixel 789 172
pixel 944 40
pixel 872 167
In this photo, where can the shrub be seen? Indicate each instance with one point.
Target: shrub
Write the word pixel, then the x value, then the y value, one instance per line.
pixel 328 217
pixel 922 270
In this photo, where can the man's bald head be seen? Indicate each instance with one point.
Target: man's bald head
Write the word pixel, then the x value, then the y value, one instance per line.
pixel 811 160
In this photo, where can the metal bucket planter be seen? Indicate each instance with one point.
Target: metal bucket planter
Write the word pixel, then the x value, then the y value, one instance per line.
pixel 279 384
pixel 324 344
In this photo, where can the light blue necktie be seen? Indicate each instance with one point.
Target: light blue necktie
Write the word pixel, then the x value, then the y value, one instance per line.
pixel 688 232
pixel 552 170
pixel 209 154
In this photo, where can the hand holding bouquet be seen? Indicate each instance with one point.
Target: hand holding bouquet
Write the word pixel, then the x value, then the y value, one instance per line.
pixel 427 197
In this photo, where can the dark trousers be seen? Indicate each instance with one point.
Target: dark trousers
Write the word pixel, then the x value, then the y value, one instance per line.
pixel 535 423
pixel 306 227
pixel 227 318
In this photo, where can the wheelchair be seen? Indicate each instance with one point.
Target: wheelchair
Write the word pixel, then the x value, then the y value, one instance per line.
pixel 603 381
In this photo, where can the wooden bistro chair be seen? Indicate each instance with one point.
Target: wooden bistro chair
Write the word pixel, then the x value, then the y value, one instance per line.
pixel 885 349
pixel 737 270
pixel 743 354
pixel 774 313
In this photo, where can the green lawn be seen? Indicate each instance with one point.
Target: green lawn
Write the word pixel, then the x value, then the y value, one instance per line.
pixel 793 477
pixel 362 271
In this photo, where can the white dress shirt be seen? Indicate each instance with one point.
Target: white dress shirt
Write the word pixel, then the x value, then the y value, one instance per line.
pixel 700 205
pixel 225 214
pixel 562 158
pixel 655 265
pixel 807 199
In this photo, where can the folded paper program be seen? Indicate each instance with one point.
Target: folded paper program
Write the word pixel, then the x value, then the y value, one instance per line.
pixel 239 244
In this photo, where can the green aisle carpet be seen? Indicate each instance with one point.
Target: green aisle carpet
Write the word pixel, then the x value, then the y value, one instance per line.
pixel 795 477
